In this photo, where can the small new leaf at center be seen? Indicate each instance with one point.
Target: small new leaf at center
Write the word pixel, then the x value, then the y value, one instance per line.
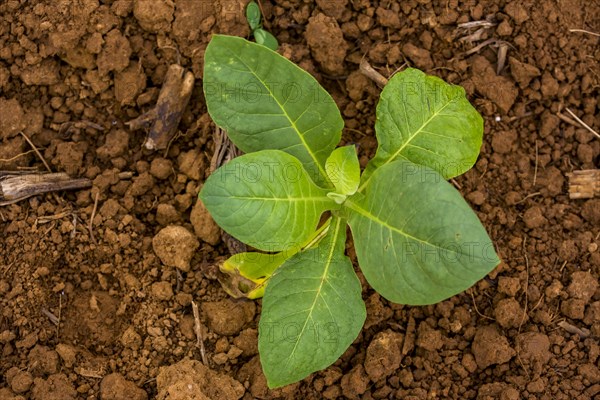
pixel 343 170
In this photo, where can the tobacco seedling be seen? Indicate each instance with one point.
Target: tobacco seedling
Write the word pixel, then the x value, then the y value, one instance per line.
pixel 291 196
pixel 254 17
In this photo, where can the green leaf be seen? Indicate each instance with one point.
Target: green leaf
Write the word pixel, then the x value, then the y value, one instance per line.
pixel 265 199
pixel 246 274
pixel 343 170
pixel 312 311
pixel 417 241
pixel 264 101
pixel 423 119
pixel 253 15
pixel 266 39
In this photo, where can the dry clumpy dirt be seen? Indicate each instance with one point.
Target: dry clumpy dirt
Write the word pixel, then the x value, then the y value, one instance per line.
pixel 72 72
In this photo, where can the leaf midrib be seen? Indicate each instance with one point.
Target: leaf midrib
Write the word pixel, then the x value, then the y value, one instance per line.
pixel 292 122
pixel 410 139
pixel 367 214
pixel 284 199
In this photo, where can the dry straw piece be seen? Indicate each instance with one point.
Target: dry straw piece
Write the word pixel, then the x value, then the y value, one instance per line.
pixel 17 186
pixel 584 184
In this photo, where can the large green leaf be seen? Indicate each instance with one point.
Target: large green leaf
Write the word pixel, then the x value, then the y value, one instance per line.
pixel 265 101
pixel 312 311
pixel 416 239
pixel 265 199
pixel 425 120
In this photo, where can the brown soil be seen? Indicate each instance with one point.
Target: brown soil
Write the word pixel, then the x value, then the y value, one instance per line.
pixel 123 295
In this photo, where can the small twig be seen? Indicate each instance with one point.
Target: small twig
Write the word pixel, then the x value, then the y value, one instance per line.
pixel 89 373
pixel 480 46
pixel 367 70
pixel 455 183
pixel 528 197
pixel 355 131
pixel 74 231
pixel 264 21
pixel 538 303
pixel 502 51
pixel 586 126
pixel 526 288
pixel 476 309
pixel 523 365
pixel 562 267
pixel 180 280
pixel 52 226
pixel 517 117
pixel 573 329
pixel 584 31
pixel 475 24
pixel 401 67
pixel 53 318
pixel 91 223
pixel 36 151
pixel 59 314
pixel 47 218
pixel 176 136
pixel 198 330
pixel 15 157
pixel 409 336
pixel 335 77
pixel 475 36
pixel 567 120
pixel 535 171
pixel 149 381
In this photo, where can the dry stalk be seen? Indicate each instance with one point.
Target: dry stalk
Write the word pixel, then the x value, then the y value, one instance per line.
pixel 91 222
pixel 367 70
pixel 584 31
pixel 584 184
pixel 36 151
pixel 586 126
pixel 198 331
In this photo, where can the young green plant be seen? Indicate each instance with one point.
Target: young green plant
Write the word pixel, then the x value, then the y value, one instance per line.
pixel 293 194
pixel 254 18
